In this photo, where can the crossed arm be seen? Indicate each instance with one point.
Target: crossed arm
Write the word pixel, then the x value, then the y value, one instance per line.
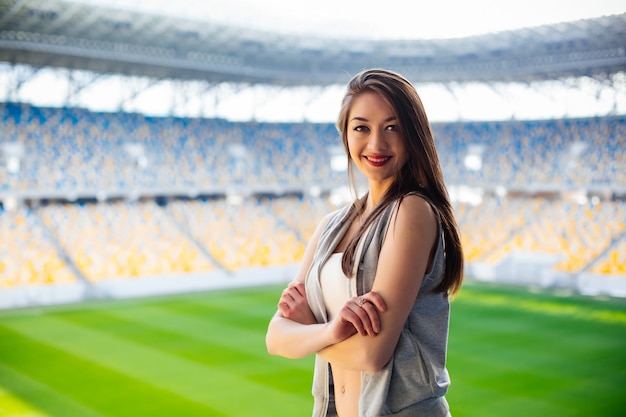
pixel 361 337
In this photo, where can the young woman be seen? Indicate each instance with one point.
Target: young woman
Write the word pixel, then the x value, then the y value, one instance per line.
pixel 371 298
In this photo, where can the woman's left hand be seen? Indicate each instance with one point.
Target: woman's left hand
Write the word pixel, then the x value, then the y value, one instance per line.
pixel 294 305
pixel 358 315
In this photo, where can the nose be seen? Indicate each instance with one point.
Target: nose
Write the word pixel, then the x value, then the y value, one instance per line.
pixel 377 140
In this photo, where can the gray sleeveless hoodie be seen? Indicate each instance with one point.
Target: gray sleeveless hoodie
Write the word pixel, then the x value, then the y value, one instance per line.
pixel 415 380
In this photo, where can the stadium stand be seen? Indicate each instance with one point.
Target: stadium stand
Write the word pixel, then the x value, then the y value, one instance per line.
pixel 239 236
pixel 86 214
pixel 78 150
pixel 27 255
pixel 122 240
pixel 614 262
pixel 576 234
pixel 573 152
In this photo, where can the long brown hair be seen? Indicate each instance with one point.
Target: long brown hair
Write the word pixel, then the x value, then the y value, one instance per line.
pixel 422 173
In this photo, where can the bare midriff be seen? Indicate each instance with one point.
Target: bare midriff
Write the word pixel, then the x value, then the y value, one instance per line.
pixel 347 391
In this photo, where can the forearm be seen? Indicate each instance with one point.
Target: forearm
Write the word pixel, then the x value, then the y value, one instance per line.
pixel 355 353
pixel 294 340
pixel 365 351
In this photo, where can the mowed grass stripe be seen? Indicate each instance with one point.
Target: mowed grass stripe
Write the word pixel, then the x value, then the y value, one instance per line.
pixel 22 396
pixel 250 308
pixel 511 352
pixel 516 331
pixel 578 307
pixel 221 326
pixel 203 340
pixel 245 317
pixel 508 359
pixel 253 303
pixel 227 328
pixel 62 384
pixel 262 299
pixel 187 378
pixel 236 321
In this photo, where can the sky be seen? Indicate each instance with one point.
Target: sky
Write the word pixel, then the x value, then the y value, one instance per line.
pixel 364 19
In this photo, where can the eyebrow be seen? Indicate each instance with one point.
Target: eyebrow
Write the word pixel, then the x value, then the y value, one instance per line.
pixel 363 119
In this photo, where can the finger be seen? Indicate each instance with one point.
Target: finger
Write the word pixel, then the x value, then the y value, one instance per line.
pixel 352 316
pixel 284 309
pixel 364 312
pixel 376 299
pixel 289 295
pixel 373 317
pixel 372 303
pixel 349 313
pixel 298 287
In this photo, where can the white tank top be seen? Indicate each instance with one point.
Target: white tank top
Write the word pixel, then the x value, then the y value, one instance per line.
pixel 336 287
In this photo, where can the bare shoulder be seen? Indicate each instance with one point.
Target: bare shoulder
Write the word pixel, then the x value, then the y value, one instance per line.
pixel 324 221
pixel 320 227
pixel 415 210
pixel 413 221
pixel 411 237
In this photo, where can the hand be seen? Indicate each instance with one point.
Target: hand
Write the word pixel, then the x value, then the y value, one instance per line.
pixel 359 315
pixel 294 305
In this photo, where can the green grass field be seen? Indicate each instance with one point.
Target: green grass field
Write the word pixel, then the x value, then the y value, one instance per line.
pixel 511 353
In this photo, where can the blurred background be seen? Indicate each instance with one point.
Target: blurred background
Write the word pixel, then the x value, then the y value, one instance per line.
pixel 160 146
pixel 164 163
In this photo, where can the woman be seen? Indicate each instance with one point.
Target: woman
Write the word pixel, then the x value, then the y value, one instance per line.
pixel 371 298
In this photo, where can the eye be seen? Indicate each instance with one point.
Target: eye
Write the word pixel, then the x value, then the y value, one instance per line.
pixel 360 128
pixel 392 128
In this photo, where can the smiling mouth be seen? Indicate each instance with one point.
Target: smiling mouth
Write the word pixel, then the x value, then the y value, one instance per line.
pixel 377 160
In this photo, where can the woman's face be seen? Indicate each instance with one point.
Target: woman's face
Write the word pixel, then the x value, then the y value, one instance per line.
pixel 374 139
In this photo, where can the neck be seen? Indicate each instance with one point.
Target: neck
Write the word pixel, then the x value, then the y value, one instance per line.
pixel 375 194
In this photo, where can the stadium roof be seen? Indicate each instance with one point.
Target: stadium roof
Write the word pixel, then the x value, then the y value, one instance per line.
pixel 54 33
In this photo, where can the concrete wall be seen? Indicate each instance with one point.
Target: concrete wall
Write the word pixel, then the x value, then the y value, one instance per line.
pixel 534 269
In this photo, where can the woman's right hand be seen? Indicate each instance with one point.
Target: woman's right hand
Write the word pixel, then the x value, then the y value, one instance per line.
pixel 358 315
pixel 293 304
